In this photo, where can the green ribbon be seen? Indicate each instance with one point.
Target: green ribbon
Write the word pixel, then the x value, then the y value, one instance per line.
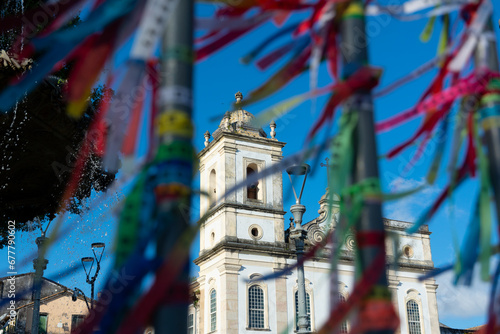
pixel 342 152
pixel 129 223
pixel 485 250
pixel 176 150
pixel 341 163
pixel 425 36
pixel 443 37
pixel 278 110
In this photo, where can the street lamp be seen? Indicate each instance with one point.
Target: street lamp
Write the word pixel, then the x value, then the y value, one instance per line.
pixel 39 264
pixel 299 235
pixel 97 247
pixel 77 292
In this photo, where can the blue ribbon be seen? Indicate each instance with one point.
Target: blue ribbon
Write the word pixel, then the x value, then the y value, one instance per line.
pixel 470 249
pixel 101 17
pixel 491 111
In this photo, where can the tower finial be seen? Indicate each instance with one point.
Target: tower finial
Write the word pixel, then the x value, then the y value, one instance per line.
pixel 238 96
pixel 272 125
pixel 207 138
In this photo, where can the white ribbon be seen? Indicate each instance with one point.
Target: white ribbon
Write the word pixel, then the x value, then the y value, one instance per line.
pixel 474 32
pixel 317 52
pixel 176 95
pixel 118 114
pixel 152 25
pixel 403 12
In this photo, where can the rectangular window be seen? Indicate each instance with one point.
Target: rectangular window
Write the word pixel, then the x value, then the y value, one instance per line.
pixel 191 323
pixel 343 326
pixel 213 310
pixel 76 320
pixel 42 326
pixel 308 310
pixel 255 307
pixel 413 317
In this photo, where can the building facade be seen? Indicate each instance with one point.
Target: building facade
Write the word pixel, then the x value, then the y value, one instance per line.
pixel 245 237
pixel 59 312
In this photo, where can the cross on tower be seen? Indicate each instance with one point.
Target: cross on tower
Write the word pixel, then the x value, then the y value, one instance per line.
pixel 327 165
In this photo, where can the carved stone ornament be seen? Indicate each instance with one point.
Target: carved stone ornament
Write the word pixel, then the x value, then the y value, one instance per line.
pixel 238 96
pixel 350 243
pixel 314 234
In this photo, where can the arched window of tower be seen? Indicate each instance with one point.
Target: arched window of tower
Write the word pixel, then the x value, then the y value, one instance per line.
pixel 252 189
pixel 212 187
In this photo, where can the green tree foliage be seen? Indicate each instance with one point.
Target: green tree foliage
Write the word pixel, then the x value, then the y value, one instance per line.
pixel 40 144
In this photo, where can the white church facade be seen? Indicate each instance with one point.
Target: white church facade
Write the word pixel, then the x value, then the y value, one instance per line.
pixel 245 237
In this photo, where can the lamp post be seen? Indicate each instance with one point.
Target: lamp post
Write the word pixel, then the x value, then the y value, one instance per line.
pixel 39 264
pixel 100 246
pixel 77 292
pixel 299 235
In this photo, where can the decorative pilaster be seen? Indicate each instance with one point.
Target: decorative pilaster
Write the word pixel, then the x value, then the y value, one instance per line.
pixel 201 305
pixel 431 287
pixel 229 298
pixel 281 300
pixel 393 284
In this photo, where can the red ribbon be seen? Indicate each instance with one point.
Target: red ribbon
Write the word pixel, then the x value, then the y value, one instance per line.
pixel 370 238
pixel 364 78
pixel 207 50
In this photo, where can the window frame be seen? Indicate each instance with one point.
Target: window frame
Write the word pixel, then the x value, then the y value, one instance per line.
pixel 310 292
pixel 213 313
pixel 414 295
pixel 417 314
pixel 212 187
pixel 296 304
pixel 261 193
pixel 40 329
pixel 263 287
pixel 72 321
pixel 255 310
pixel 342 329
pixel 190 323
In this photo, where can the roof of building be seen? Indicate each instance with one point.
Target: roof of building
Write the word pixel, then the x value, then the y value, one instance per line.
pixel 448 330
pixel 32 274
pixel 65 289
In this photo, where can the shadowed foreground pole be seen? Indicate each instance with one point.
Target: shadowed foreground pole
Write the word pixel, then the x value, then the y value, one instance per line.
pixel 486 55
pixel 370 227
pixel 39 264
pixel 174 130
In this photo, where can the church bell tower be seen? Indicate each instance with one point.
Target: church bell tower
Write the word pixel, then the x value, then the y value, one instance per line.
pixel 255 211
pixel 242 226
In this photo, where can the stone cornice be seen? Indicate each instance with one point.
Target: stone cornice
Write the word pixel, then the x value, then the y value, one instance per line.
pixel 224 205
pixel 233 243
pixel 237 136
pixel 283 249
pixel 392 282
pixel 431 285
pixel 228 268
pixel 276 157
pixel 402 226
pixel 228 148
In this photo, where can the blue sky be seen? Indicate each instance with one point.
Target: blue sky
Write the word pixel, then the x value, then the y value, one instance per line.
pixel 394 46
